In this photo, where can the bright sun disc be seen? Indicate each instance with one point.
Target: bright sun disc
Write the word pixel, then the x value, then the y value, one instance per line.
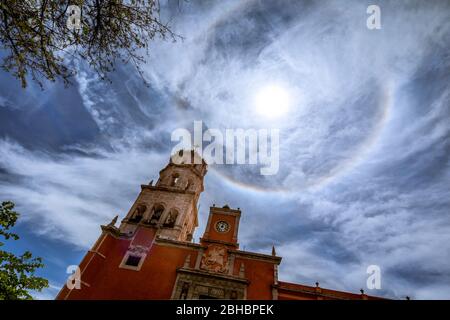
pixel 272 101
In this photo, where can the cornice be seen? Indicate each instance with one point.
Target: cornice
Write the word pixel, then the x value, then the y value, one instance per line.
pixel 225 211
pixel 225 243
pixel 256 256
pixel 176 243
pixel 215 275
pixel 169 189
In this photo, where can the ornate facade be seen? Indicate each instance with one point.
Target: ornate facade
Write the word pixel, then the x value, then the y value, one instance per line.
pixel 151 254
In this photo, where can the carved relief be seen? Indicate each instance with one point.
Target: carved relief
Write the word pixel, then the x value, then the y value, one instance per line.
pixel 215 259
pixel 138 250
pixel 194 286
pixel 134 257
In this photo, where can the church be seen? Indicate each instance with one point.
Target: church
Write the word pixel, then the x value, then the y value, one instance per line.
pixel 151 255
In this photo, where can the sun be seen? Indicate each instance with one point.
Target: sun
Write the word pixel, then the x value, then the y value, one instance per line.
pixel 272 101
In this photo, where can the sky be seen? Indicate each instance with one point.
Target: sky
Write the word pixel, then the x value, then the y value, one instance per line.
pixel 364 162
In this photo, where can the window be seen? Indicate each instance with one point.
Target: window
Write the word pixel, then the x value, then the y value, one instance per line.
pixel 158 210
pixel 134 257
pixel 171 219
pixel 138 213
pixel 133 261
pixel 175 179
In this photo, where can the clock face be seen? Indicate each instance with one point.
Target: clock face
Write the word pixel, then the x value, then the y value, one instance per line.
pixel 222 226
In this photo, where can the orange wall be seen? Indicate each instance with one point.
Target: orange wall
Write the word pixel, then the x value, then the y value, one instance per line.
pixel 102 278
pixel 155 279
pixel 157 276
pixel 261 277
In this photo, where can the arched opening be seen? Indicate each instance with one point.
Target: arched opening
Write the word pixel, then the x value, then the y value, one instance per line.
pixel 174 179
pixel 138 213
pixel 171 219
pixel 157 212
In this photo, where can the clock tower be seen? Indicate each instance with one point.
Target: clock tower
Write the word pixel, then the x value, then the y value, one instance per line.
pixel 219 270
pixel 222 227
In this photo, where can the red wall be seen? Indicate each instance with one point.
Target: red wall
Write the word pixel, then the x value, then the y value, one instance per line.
pixel 261 277
pixel 156 278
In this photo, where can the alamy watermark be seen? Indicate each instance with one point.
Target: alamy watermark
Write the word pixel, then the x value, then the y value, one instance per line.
pixel 229 146
pixel 374 279
pixel 374 20
pixel 74 279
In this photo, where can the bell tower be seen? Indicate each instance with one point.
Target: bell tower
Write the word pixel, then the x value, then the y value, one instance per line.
pixel 170 206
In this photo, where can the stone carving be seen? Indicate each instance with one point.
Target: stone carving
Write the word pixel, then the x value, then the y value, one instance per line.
pixel 194 286
pixel 138 250
pixel 216 292
pixel 215 259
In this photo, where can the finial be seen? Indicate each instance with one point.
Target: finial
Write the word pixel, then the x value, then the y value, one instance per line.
pixel 317 284
pixel 113 221
pixel 274 253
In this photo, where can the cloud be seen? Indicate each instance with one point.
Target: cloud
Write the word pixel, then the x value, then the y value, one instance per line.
pixel 68 197
pixel 47 293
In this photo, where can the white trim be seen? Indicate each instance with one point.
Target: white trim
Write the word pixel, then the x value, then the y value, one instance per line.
pixel 123 264
pixel 100 254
